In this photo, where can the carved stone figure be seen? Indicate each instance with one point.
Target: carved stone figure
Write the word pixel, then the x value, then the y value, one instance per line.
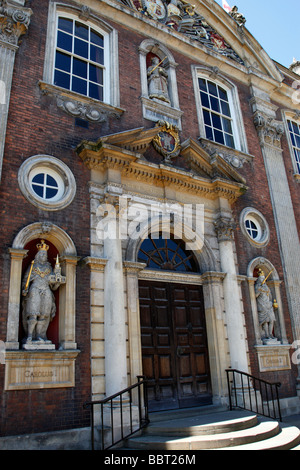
pixel 265 307
pixel 39 304
pixel 158 81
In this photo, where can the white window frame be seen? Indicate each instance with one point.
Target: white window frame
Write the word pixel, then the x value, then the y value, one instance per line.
pixel 253 215
pixel 110 35
pixel 288 116
pixel 59 170
pixel 238 129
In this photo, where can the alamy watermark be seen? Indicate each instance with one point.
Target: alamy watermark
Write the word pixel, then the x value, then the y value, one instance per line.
pixel 125 219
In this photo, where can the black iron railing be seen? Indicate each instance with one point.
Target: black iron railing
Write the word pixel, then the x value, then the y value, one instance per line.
pixel 120 415
pixel 253 394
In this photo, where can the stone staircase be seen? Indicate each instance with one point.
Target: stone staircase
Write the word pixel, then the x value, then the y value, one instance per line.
pixel 214 430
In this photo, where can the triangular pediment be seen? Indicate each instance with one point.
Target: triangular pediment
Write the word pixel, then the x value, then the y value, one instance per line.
pixel 206 23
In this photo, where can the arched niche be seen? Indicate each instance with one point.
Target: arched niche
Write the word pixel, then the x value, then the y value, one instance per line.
pixel 62 245
pixel 273 282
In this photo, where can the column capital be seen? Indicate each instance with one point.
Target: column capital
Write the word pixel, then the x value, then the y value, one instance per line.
pixel 14 22
pixel 224 227
pixel 269 129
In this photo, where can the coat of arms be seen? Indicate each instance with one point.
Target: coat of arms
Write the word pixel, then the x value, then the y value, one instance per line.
pixel 167 141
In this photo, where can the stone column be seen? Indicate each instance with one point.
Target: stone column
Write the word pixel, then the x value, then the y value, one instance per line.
pixel 14 22
pixel 134 329
pixel 224 226
pixel 67 301
pixel 270 132
pixel 114 306
pixel 17 256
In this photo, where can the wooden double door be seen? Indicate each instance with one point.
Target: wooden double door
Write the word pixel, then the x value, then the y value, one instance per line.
pixel 174 345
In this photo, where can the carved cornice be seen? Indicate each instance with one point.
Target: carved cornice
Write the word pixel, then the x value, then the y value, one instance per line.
pixel 14 22
pixel 269 130
pixel 117 152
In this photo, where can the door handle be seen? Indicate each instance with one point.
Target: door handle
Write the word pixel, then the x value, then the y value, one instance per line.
pixel 179 351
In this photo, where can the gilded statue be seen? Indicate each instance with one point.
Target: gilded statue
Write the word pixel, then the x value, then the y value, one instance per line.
pixel 38 306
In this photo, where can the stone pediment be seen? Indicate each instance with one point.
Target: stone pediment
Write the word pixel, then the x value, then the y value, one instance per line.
pixel 206 174
pixel 206 24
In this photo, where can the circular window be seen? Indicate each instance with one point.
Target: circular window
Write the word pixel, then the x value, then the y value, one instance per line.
pixel 254 226
pixel 47 182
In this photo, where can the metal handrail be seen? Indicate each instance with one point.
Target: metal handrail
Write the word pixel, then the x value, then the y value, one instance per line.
pixel 266 395
pixel 119 400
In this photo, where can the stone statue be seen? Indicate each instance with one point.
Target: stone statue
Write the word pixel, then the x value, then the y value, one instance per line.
pixel 238 17
pixel 39 304
pixel 265 307
pixel 158 81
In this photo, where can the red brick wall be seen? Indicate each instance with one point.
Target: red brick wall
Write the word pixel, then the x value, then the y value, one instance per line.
pixel 37 126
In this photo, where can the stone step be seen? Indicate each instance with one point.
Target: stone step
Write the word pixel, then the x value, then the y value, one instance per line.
pixel 261 431
pixel 287 439
pixel 202 425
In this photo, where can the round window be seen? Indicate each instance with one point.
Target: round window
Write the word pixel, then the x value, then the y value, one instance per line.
pixel 255 227
pixel 47 182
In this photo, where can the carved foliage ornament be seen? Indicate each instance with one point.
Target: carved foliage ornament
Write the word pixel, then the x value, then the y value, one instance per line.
pixel 14 22
pixel 181 16
pixel 270 130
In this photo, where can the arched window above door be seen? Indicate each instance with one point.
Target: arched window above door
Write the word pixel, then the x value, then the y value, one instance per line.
pixel 167 254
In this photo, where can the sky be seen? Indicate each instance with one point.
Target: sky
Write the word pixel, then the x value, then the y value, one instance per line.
pixel 274 24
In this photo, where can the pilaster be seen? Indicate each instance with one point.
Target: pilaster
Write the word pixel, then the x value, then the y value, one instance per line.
pixel 14 22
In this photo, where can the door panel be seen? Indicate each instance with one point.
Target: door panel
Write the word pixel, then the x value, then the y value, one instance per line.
pixel 174 345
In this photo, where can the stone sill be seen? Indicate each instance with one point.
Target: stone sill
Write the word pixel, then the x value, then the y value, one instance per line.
pixel 80 106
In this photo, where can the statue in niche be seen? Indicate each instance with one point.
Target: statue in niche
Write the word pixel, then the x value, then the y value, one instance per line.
pixel 39 304
pixel 265 308
pixel 158 81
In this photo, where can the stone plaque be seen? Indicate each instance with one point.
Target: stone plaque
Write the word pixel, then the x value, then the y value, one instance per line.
pixel 42 369
pixel 273 358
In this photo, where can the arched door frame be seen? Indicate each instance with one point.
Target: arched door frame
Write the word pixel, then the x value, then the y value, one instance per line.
pixel 209 278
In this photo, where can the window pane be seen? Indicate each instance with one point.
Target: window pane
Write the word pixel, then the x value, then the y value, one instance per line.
pixel 96 54
pixel 39 178
pixel 225 108
pixel 229 141
pixel 50 193
pixel 295 128
pixel 216 121
pixel 207 119
pixel 212 88
pixel 298 141
pixel 96 92
pixel 81 31
pixel 78 85
pixel 64 41
pixel 202 84
pixel 223 94
pixel 215 105
pixel 62 79
pixel 97 39
pixel 80 68
pixel 50 181
pixel 96 74
pixel 81 48
pixel 66 25
pixel 204 100
pixel 209 133
pixel 219 137
pixel 227 125
pixel 63 61
pixel 39 190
